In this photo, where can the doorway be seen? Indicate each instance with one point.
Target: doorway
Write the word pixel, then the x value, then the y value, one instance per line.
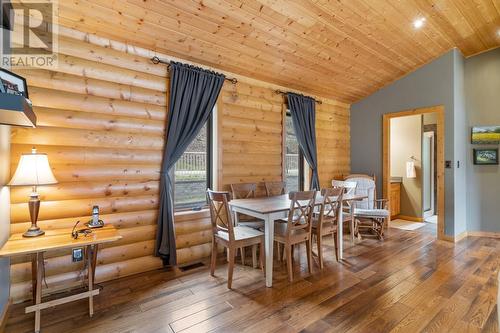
pixel 432 156
pixel 428 175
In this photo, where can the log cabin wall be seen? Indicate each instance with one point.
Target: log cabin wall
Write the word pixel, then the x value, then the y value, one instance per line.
pixel 101 120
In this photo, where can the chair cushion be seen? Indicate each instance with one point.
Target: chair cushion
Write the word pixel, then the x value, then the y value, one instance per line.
pixel 240 233
pixel 371 212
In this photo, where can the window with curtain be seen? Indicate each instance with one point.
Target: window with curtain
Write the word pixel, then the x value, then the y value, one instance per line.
pixel 294 160
pixel 193 171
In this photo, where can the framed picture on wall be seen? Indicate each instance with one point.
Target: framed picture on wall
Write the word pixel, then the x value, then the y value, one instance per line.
pixel 487 156
pixel 13 83
pixel 485 135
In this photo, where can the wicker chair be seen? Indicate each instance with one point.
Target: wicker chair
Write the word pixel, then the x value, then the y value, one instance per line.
pixel 370 214
pixel 226 234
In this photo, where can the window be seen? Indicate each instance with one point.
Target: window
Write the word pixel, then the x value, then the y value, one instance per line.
pixel 193 171
pixel 294 160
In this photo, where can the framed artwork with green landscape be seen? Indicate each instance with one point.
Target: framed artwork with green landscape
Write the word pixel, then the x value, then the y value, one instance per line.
pixel 485 134
pixel 487 156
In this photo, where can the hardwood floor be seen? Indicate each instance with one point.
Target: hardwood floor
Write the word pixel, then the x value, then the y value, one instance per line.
pixel 409 283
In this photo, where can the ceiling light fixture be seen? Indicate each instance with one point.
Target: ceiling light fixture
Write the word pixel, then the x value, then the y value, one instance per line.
pixel 418 23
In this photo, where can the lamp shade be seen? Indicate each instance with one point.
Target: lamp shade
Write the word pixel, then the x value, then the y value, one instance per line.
pixel 33 169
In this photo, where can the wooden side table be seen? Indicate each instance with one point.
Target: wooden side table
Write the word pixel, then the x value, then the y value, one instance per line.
pixel 57 240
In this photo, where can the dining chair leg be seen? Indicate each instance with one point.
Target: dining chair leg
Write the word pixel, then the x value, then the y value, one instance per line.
pixel 288 250
pixel 320 251
pixel 230 267
pixel 254 256
pixel 309 254
pixel 336 246
pixel 278 251
pixel 242 253
pixel 351 229
pixel 213 259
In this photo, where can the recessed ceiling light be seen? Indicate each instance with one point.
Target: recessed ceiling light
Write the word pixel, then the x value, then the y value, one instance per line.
pixel 498 33
pixel 419 23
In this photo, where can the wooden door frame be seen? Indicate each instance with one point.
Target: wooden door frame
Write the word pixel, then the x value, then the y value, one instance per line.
pixel 386 153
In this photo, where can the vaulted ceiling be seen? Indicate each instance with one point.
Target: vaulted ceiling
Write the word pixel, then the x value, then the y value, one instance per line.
pixel 345 49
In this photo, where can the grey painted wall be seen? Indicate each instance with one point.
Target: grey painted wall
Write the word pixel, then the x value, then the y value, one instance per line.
pixel 482 83
pixel 461 137
pixel 430 85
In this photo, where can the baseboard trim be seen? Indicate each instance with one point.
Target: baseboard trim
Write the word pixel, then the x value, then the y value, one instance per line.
pixel 466 234
pixel 489 234
pixel 5 315
pixel 456 238
pixel 408 218
pixel 461 236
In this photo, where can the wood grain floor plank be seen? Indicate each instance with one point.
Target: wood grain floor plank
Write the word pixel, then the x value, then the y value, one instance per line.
pixel 408 283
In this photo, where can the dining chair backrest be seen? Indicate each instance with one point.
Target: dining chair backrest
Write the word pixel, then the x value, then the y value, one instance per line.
pixel 244 190
pixel 275 188
pixel 220 213
pixel 329 210
pixel 365 185
pixel 349 186
pixel 301 210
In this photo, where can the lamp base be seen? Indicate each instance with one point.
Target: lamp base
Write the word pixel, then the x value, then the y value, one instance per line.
pixel 34 232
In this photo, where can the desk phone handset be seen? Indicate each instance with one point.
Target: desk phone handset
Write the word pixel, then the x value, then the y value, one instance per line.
pixel 95 222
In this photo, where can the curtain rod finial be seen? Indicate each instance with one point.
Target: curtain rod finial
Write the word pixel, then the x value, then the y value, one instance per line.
pixel 155 60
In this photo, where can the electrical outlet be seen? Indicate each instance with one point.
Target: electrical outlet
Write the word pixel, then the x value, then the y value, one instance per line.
pixel 77 254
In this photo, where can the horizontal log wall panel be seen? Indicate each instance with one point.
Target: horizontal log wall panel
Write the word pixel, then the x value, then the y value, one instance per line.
pixel 79 207
pixel 333 140
pixel 101 120
pixel 93 87
pixel 97 70
pixel 90 155
pixel 81 49
pixel 96 121
pixel 250 122
pixel 55 99
pixel 86 138
pixel 119 220
pixel 82 190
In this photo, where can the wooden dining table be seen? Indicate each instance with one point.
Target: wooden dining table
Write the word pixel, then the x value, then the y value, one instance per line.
pixel 270 209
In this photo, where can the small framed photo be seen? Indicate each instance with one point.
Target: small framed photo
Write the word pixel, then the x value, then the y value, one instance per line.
pixel 487 156
pixel 12 83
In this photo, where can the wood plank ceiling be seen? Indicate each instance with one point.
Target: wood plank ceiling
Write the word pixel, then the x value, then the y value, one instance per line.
pixel 343 49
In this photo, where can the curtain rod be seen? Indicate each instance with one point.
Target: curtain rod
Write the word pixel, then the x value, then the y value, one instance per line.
pixel 157 61
pixel 284 93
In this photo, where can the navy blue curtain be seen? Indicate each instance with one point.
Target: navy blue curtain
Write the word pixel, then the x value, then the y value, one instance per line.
pixel 303 112
pixel 193 94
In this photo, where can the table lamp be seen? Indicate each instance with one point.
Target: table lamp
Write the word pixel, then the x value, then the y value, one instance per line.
pixel 33 170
